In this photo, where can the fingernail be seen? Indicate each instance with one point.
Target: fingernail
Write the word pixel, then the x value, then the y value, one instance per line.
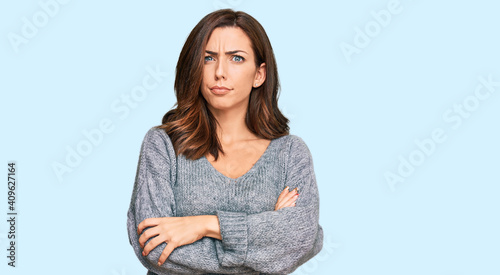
pixel 287 188
pixel 159 263
pixel 143 253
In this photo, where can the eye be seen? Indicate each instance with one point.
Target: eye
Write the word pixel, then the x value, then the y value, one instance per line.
pixel 207 58
pixel 238 58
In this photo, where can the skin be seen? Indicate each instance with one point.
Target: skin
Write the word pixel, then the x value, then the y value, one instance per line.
pixel 236 71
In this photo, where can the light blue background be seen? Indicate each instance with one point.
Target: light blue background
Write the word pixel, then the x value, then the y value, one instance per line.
pixel 357 118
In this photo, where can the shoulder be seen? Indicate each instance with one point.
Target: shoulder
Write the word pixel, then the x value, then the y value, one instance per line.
pixel 157 139
pixel 292 150
pixel 294 157
pixel 155 133
pixel 292 144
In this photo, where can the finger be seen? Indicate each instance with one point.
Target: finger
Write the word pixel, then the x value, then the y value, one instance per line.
pixel 291 199
pixel 288 201
pixel 281 197
pixel 286 205
pixel 283 193
pixel 147 223
pixel 146 235
pixel 288 196
pixel 280 204
pixel 154 242
pixel 166 252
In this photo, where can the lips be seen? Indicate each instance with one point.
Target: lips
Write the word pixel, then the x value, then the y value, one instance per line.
pixel 219 90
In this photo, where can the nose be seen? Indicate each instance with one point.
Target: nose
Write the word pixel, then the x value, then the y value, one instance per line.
pixel 220 70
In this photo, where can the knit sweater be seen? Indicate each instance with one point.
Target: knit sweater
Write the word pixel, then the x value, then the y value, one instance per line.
pixel 256 239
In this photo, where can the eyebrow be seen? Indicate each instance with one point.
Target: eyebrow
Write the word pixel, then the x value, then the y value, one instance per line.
pixel 227 53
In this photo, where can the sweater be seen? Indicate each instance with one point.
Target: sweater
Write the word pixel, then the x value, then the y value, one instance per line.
pixel 256 239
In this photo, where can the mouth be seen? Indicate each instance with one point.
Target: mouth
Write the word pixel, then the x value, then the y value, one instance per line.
pixel 219 90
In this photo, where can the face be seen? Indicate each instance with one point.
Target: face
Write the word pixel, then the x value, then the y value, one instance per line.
pixel 229 71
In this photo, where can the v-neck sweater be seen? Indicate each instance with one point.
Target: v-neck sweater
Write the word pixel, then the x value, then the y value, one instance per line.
pixel 256 239
pixel 229 179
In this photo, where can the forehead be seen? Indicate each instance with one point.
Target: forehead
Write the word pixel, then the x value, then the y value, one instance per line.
pixel 233 38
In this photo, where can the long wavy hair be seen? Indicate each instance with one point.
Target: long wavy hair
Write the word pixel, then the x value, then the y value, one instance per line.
pixel 190 124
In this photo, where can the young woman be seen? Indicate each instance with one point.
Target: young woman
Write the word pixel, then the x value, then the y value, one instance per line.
pixel 217 184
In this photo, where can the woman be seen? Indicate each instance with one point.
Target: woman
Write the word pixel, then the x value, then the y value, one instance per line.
pixel 212 190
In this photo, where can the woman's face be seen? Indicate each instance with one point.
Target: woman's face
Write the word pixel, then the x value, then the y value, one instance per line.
pixel 229 71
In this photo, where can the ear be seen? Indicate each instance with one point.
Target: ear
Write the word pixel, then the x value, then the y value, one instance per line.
pixel 260 75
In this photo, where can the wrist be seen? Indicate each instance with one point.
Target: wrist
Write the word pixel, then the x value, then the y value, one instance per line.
pixel 211 226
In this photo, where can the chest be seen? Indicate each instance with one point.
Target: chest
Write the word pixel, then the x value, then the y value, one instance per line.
pixel 239 159
pixel 201 190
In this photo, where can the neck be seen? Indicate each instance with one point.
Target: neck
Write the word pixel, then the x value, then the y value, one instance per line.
pixel 232 126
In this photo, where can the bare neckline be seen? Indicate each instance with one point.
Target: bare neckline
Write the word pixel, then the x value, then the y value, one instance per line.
pixel 254 166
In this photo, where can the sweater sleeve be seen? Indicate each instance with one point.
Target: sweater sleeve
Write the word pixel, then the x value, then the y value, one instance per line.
pixel 152 197
pixel 277 242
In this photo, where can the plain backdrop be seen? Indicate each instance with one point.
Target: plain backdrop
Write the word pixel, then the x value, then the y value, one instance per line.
pixel 398 102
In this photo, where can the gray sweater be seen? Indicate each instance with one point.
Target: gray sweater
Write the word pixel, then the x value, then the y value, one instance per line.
pixel 256 239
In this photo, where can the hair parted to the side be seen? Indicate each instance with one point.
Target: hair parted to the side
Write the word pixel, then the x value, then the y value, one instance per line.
pixel 190 124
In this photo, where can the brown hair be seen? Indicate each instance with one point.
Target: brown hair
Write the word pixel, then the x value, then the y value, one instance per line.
pixel 191 126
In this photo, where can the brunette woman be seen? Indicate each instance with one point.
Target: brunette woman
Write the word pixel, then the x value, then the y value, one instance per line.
pixel 221 185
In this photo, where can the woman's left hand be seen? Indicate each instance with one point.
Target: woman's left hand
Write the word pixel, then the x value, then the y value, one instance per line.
pixel 175 231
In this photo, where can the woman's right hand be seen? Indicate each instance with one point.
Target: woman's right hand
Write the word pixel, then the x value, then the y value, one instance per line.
pixel 287 198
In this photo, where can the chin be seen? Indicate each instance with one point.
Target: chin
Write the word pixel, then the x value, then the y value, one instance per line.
pixel 225 102
pixel 221 104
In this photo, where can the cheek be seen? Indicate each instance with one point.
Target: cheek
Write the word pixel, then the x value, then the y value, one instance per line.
pixel 205 93
pixel 205 80
pixel 245 77
pixel 203 86
pixel 205 75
